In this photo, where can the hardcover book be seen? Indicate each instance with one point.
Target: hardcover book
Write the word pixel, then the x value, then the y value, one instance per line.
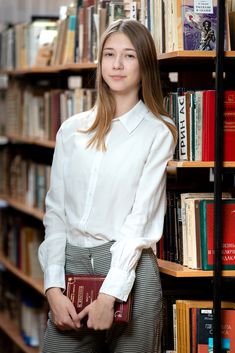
pixel 203 318
pixel 208 148
pixel 82 290
pixel 207 234
pixel 199 25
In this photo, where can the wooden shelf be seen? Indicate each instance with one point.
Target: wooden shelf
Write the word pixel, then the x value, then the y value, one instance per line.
pixel 193 54
pixel 31 141
pixel 176 270
pixel 23 208
pixel 37 284
pixel 12 332
pixel 179 55
pixel 199 164
pixel 52 69
pixel 175 164
pixel 26 209
pixel 193 61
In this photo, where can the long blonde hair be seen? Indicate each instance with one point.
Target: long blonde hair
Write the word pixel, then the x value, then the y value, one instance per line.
pixel 150 89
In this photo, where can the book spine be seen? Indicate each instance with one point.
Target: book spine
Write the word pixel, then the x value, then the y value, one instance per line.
pixel 183 153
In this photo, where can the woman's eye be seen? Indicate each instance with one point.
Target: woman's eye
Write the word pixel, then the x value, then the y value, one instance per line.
pixel 130 56
pixel 108 54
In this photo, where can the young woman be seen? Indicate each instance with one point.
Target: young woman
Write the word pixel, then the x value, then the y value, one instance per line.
pixel 106 203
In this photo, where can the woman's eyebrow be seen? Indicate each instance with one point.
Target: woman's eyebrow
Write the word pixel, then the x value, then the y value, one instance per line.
pixel 107 48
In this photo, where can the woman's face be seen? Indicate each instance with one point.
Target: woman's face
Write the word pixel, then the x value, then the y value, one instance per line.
pixel 120 66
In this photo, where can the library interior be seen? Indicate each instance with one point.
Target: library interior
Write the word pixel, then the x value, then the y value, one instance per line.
pixel 49 54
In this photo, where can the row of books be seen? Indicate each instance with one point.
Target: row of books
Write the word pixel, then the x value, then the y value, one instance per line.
pixel 38 114
pixel 29 315
pixel 191 25
pixel 74 37
pixel 189 230
pixel 20 246
pixel 193 321
pixel 28 181
pixel 195 113
pixel 71 38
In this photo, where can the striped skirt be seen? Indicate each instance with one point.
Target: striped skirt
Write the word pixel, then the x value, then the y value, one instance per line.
pixel 141 335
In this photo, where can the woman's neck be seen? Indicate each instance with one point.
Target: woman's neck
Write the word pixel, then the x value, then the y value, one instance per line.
pixel 123 105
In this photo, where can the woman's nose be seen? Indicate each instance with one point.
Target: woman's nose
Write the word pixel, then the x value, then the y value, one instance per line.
pixel 118 63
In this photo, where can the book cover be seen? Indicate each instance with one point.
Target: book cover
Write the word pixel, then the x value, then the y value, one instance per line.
pixel 199 22
pixel 207 233
pixel 182 127
pixel 82 290
pixel 183 197
pixel 204 330
pixel 190 209
pixel 209 103
pixel 191 328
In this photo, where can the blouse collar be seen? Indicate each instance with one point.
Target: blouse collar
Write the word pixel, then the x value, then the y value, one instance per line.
pixel 133 117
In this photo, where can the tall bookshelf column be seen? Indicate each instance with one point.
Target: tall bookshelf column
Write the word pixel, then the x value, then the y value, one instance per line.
pixel 218 173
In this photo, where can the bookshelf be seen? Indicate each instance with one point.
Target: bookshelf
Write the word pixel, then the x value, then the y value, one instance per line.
pixel 31 141
pixel 193 55
pixel 194 164
pixel 176 270
pixel 12 331
pixel 176 61
pixel 37 284
pixel 20 206
pixel 170 269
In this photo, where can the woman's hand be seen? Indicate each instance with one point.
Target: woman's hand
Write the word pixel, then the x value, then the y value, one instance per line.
pixel 63 312
pixel 99 313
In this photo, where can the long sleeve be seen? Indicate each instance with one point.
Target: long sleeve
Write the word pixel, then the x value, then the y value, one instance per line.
pixel 144 225
pixel 52 249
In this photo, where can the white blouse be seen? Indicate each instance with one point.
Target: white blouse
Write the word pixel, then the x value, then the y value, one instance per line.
pixel 97 196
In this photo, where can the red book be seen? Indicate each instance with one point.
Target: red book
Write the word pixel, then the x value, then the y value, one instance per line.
pixel 208 135
pixel 207 234
pixel 208 126
pixel 229 125
pixel 82 290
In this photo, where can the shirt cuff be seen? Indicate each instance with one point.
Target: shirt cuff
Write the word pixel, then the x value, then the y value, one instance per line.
pixel 118 283
pixel 54 276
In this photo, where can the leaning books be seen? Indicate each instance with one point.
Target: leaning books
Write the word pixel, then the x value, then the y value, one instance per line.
pixel 82 290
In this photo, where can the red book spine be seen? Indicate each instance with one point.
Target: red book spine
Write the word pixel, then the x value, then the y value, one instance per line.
pixel 229 125
pixel 228 243
pixel 208 135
